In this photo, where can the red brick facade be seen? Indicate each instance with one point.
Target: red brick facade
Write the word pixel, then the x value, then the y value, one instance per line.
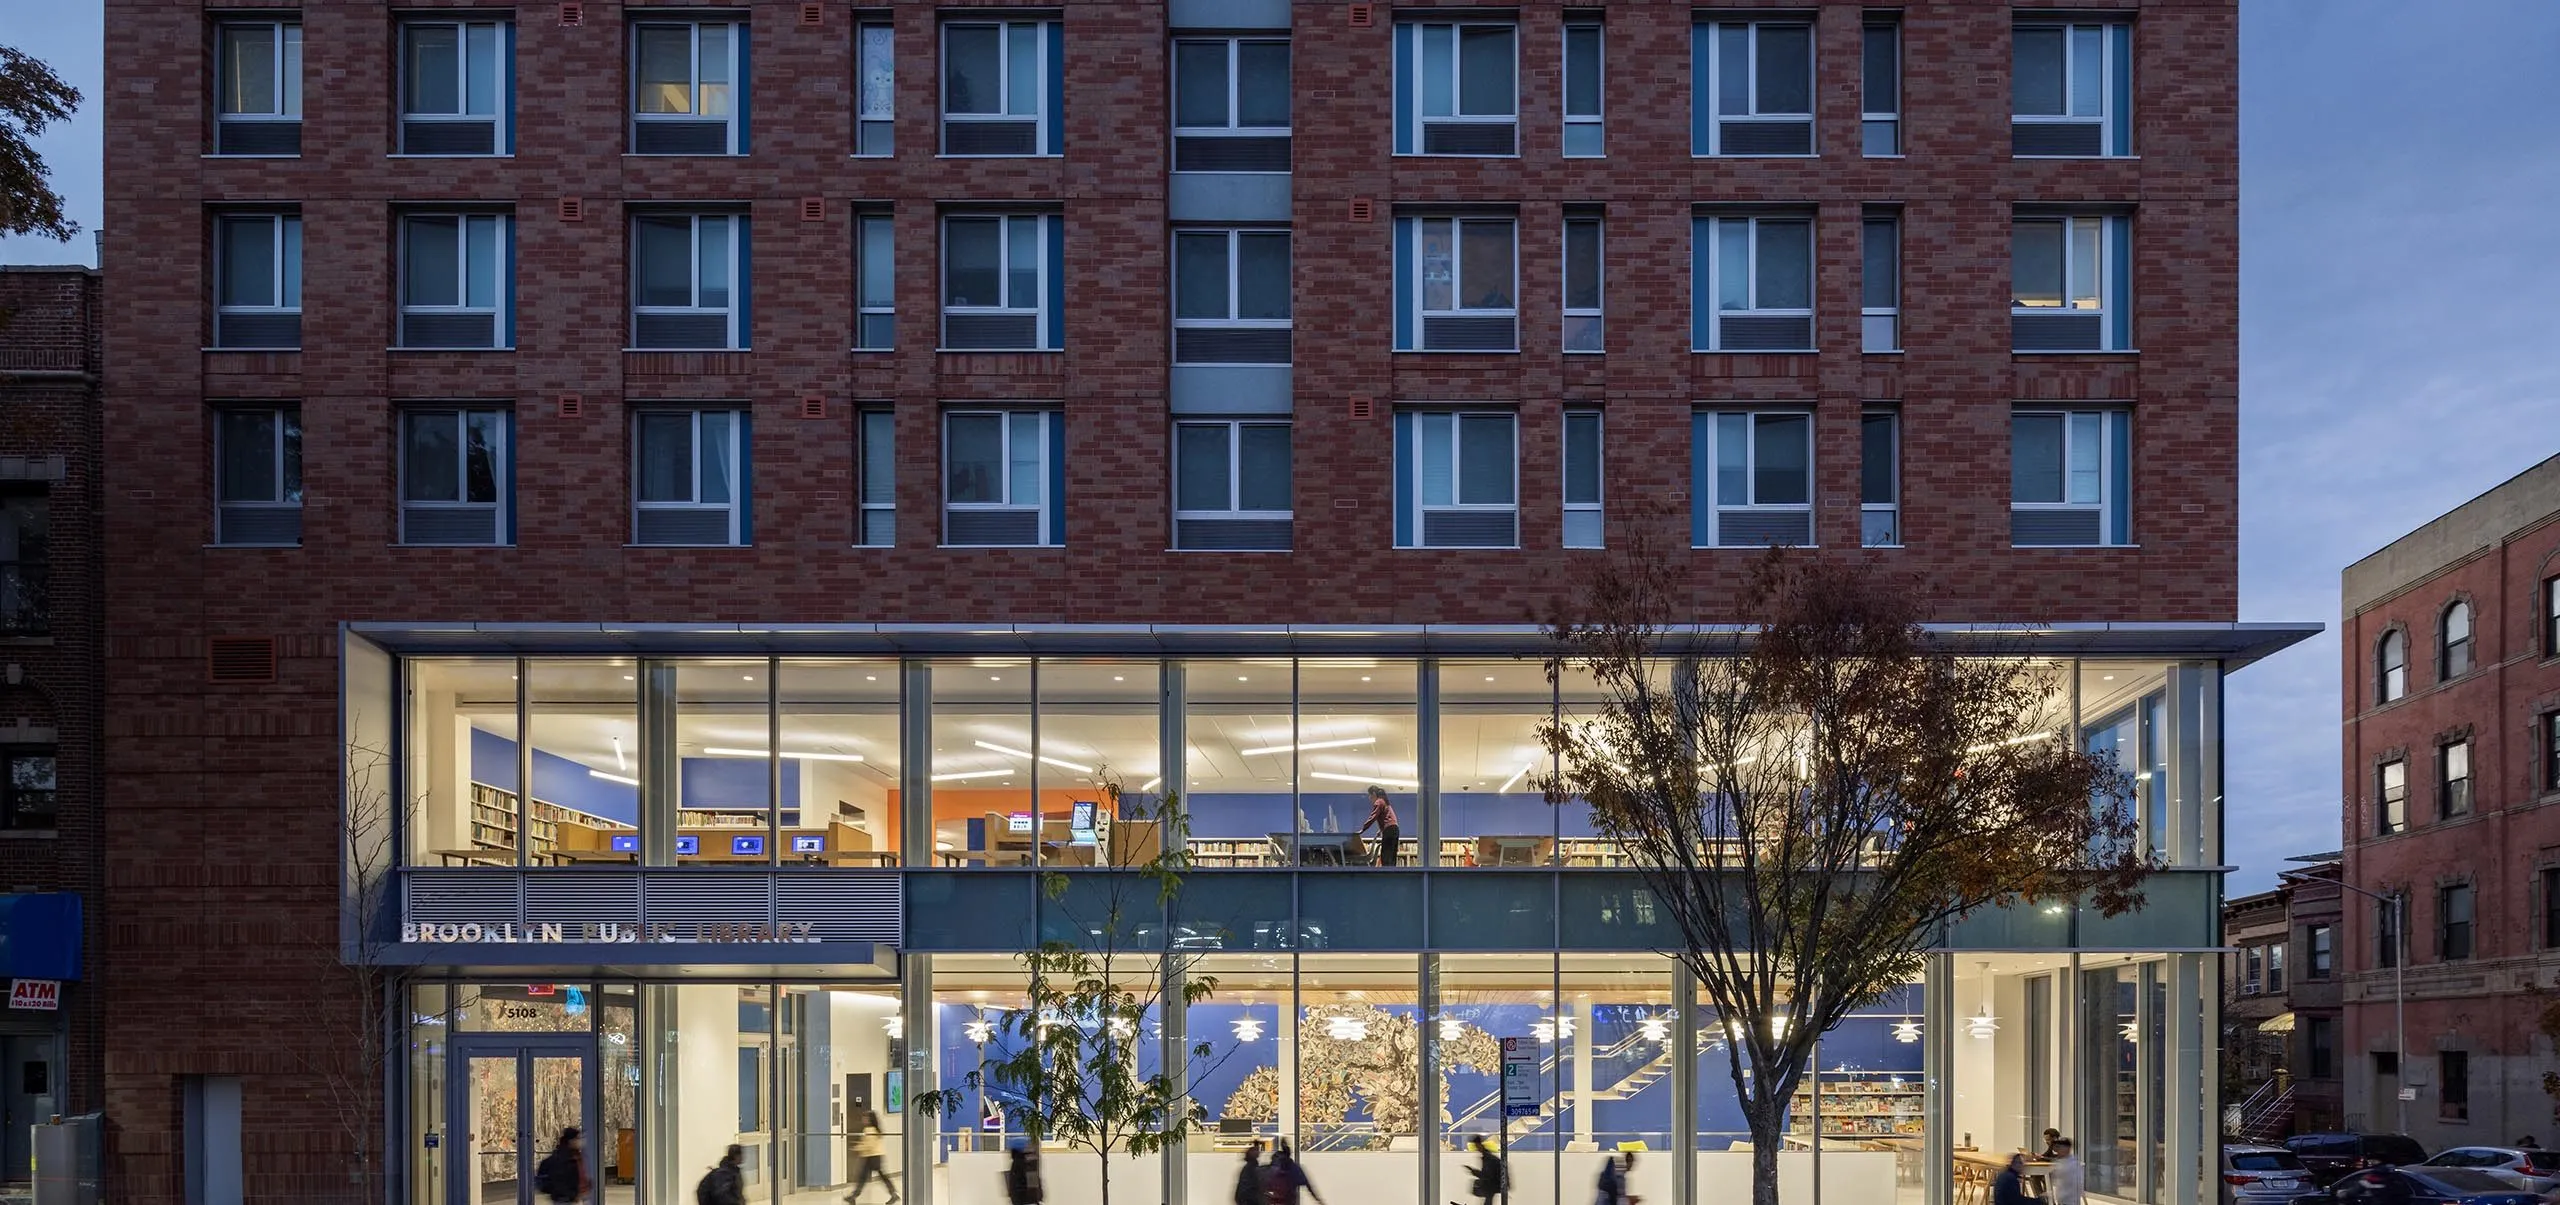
pixel 225 792
pixel 2497 555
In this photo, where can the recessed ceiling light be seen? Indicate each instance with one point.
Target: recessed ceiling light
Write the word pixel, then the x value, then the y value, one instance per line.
pixel 1242 678
pixel 1118 678
pixel 1364 677
pixel 995 677
pixel 626 677
pixel 870 677
pixel 1488 677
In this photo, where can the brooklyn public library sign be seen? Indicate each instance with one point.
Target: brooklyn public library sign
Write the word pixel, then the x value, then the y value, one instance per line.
pixel 510 933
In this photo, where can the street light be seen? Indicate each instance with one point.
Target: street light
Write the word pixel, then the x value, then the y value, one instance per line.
pixel 2399 906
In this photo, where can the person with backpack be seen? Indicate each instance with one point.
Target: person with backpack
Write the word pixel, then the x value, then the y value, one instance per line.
pixel 1612 1189
pixel 1022 1177
pixel 562 1174
pixel 1249 1178
pixel 723 1185
pixel 1286 1179
pixel 1492 1178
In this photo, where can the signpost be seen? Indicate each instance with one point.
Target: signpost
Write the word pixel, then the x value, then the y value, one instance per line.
pixel 1519 1098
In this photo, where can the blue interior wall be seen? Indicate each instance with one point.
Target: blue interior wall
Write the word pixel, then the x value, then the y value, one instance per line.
pixel 706 782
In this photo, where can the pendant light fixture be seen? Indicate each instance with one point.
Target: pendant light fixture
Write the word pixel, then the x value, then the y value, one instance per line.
pixel 1982 1024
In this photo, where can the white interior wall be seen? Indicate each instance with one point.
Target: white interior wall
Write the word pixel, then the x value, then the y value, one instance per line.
pixel 1970 1086
pixel 705 1088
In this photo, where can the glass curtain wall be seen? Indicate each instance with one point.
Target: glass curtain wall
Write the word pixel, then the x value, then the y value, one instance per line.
pixel 840 761
pixel 1098 747
pixel 1493 807
pixel 1358 728
pixel 984 779
pixel 1240 767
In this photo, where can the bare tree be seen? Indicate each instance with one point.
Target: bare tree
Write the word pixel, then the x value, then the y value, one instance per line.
pixel 1813 799
pixel 356 1036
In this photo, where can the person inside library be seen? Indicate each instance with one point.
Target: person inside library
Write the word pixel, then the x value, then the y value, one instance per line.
pixel 1382 816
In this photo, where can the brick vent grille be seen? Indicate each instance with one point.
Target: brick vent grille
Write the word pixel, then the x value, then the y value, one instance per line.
pixel 240 660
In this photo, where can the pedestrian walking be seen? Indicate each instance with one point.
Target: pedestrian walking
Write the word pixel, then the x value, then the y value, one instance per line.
pixel 1287 1179
pixel 723 1184
pixel 562 1174
pixel 1614 1171
pixel 864 1134
pixel 1382 816
pixel 1249 1186
pixel 1022 1177
pixel 1492 1178
pixel 2065 1183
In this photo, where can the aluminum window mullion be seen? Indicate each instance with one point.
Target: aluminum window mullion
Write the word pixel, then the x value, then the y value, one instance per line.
pixel 275 453
pixel 1235 467
pixel 1235 83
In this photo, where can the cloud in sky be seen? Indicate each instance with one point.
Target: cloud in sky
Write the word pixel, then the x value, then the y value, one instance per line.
pixel 2397 299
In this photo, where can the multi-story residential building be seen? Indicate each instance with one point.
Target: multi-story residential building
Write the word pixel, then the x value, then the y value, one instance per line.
pixel 2317 1055
pixel 52 851
pixel 2255 1015
pixel 691 506
pixel 2452 860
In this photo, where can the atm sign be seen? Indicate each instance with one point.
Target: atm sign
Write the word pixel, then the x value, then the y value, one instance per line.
pixel 41 994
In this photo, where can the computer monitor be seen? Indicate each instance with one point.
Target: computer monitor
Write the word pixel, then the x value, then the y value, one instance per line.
pixel 746 847
pixel 1235 1125
pixel 808 843
pixel 688 845
pixel 625 843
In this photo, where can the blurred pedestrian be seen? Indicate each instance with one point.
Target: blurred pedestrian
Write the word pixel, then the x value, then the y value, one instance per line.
pixel 562 1174
pixel 1022 1177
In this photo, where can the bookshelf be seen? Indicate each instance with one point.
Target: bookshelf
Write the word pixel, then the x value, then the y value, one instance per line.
pixel 494 817
pixel 1859 1105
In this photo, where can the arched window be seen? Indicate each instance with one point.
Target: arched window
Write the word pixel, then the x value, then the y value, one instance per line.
pixel 2456 639
pixel 2392 660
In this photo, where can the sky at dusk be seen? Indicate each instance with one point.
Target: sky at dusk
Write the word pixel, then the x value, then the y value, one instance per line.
pixel 2398 315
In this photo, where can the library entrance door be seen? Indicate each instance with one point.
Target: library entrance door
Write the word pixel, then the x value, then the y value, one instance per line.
pixel 516 1094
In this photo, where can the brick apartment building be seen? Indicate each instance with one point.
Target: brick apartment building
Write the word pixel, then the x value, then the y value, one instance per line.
pixel 52 852
pixel 500 395
pixel 2452 649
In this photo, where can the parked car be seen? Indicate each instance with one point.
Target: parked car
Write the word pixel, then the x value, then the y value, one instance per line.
pixel 2531 1170
pixel 2330 1156
pixel 2420 1186
pixel 2262 1175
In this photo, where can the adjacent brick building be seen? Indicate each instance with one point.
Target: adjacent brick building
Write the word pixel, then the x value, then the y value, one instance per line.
pixel 52 835
pixel 2452 689
pixel 809 316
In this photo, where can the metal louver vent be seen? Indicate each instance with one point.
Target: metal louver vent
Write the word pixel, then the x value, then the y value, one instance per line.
pixel 1470 334
pixel 257 138
pixel 422 524
pixel 991 528
pixel 682 525
pixel 1468 138
pixel 1199 153
pixel 258 523
pixel 1211 345
pixel 1752 332
pixel 991 138
pixel 1231 535
pixel 240 659
pixel 1760 528
pixel 1470 528
pixel 2053 526
pixel 844 907
pixel 431 895
pixel 680 332
pixel 448 330
pixel 1735 137
pixel 449 137
pixel 2071 138
pixel 991 332
pixel 680 138
pixel 2054 332
pixel 574 898
pixel 257 332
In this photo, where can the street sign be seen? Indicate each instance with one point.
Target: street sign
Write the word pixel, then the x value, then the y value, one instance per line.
pixel 1519 1077
pixel 2408 1094
pixel 41 994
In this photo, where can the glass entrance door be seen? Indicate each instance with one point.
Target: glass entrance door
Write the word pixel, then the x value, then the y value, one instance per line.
pixel 514 1100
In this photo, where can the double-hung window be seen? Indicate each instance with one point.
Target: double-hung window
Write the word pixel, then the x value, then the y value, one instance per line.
pixel 2551 617
pixel 30 789
pixel 2071 88
pixel 1585 523
pixel 455 91
pixel 688 88
pixel 26 530
pixel 456 475
pixel 2391 668
pixel 2453 922
pixel 2070 477
pixel 1457 283
pixel 1231 484
pixel 1880 479
pixel 875 281
pixel 1752 277
pixel 2071 288
pixel 257 477
pixel 875 435
pixel 1457 88
pixel 1457 479
pixel 1003 281
pixel 1752 483
pixel 688 282
pixel 689 476
pixel 456 273
pixel 1583 272
pixel 257 88
pixel 2453 642
pixel 2318 940
pixel 1003 88
pixel 257 274
pixel 1584 136
pixel 1231 296
pixel 1880 85
pixel 2391 797
pixel 1231 104
pixel 1751 88
pixel 1880 282
pixel 2252 970
pixel 2453 779
pixel 2386 929
pixel 875 88
pixel 1004 480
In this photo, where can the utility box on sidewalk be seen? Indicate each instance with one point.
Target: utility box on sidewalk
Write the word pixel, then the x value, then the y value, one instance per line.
pixel 67 1162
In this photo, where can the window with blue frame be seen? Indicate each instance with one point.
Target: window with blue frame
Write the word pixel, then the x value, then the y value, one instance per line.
pixel 1457 479
pixel 2071 88
pixel 688 282
pixel 1752 480
pixel 257 281
pixel 456 280
pixel 1457 88
pixel 1003 88
pixel 1751 277
pixel 1751 88
pixel 689 476
pixel 2071 282
pixel 456 87
pixel 1004 479
pixel 688 87
pixel 2070 474
pixel 1003 281
pixel 457 472
pixel 1457 282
